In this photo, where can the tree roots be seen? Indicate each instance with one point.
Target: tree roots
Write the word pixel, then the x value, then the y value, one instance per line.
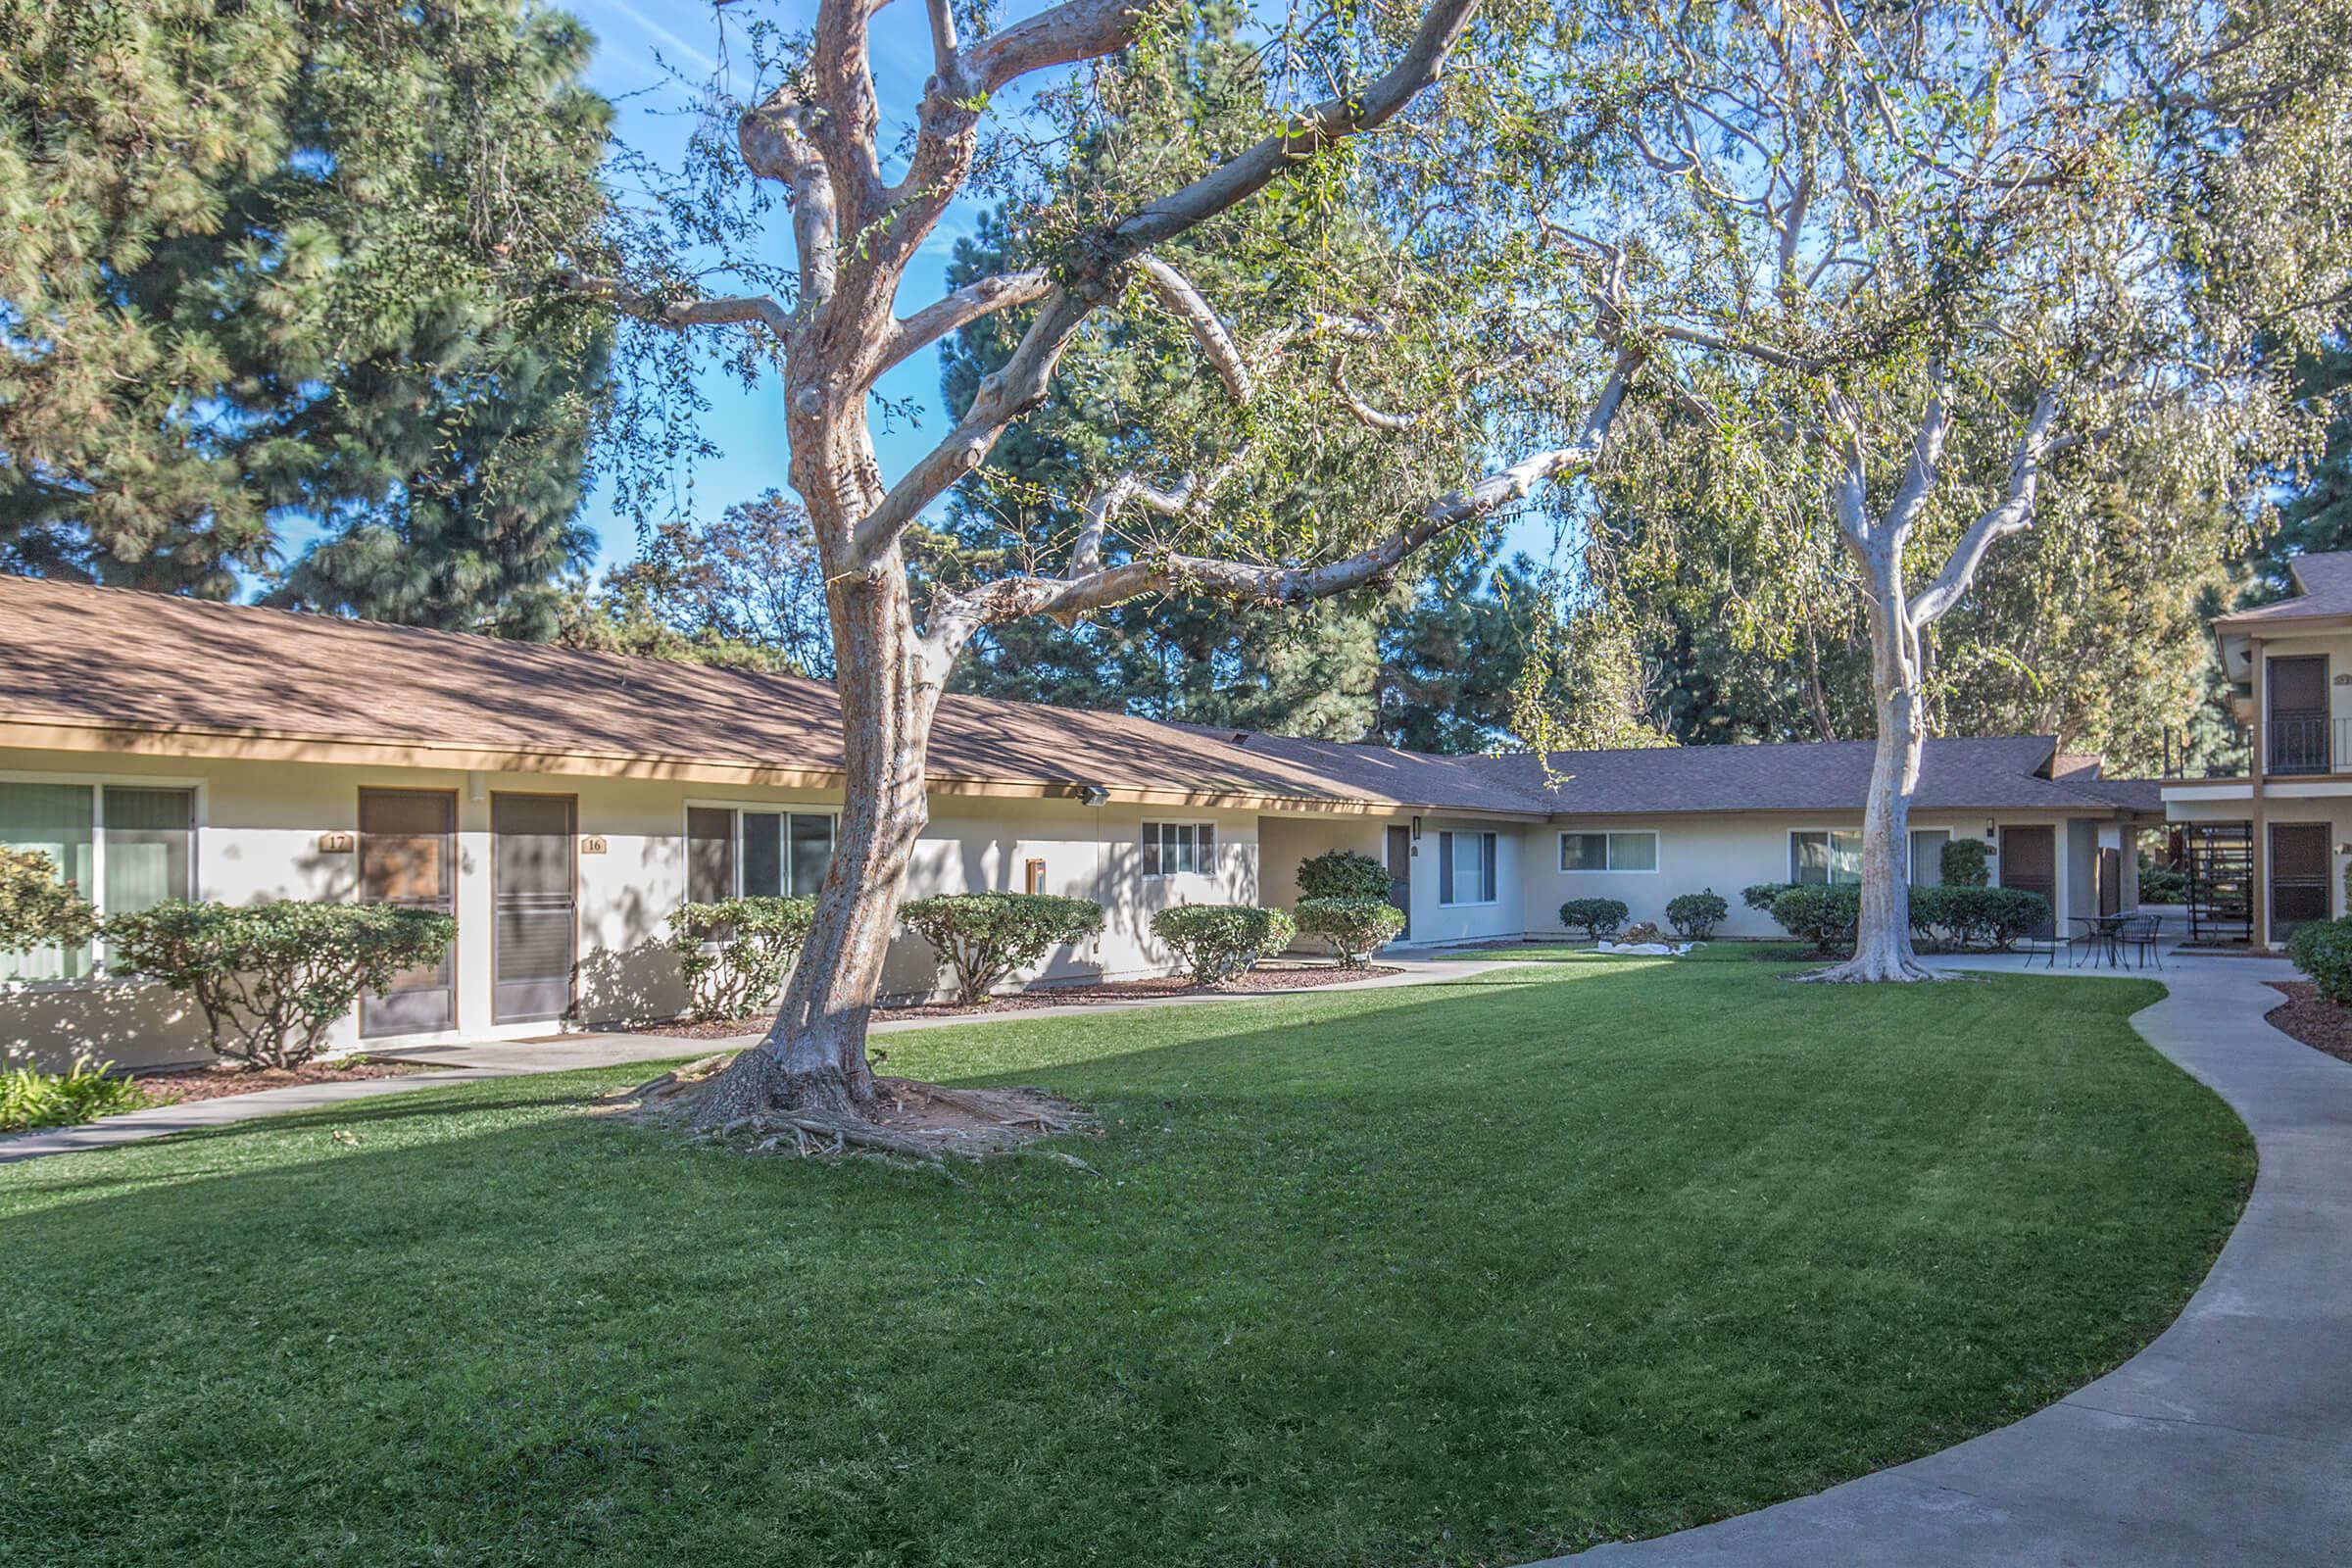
pixel 905 1120
pixel 1874 971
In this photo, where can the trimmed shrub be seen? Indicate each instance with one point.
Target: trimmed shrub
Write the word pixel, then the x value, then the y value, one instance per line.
pixel 83 1092
pixel 272 978
pixel 38 906
pixel 1695 915
pixel 1823 915
pixel 1972 916
pixel 1342 874
pixel 736 952
pixel 1764 895
pixel 2322 950
pixel 2161 884
pixel 1963 863
pixel 1594 917
pixel 981 938
pixel 2010 913
pixel 1356 927
pixel 1217 941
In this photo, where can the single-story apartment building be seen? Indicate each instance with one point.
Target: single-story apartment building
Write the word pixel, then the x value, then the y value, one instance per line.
pixel 563 804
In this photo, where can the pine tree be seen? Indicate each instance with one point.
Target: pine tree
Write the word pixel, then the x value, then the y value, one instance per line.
pixel 258 265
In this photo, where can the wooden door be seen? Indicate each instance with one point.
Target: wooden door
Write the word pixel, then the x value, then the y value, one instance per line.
pixel 534 861
pixel 2298 876
pixel 409 856
pixel 1400 876
pixel 2030 863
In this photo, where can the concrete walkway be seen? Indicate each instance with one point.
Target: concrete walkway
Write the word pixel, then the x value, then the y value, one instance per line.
pixel 2228 1441
pixel 509 1058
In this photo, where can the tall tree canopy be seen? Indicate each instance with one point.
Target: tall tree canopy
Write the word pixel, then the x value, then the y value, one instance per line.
pixel 262 266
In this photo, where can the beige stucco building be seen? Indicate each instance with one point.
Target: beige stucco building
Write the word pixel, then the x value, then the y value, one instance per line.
pixel 563 804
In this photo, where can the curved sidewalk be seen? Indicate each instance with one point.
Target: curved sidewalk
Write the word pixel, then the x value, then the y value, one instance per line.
pixel 2228 1441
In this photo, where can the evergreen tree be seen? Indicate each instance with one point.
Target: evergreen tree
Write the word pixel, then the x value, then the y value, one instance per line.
pixel 258 264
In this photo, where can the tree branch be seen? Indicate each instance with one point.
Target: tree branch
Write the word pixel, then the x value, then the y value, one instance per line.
pixel 952 312
pixel 629 300
pixel 2014 512
pixel 1180 296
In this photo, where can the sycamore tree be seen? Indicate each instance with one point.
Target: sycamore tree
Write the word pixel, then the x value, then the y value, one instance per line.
pixel 1535 362
pixel 1924 277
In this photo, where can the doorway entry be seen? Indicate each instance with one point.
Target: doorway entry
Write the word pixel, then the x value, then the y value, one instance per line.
pixel 1401 877
pixel 534 866
pixel 409 856
pixel 2030 863
pixel 2299 880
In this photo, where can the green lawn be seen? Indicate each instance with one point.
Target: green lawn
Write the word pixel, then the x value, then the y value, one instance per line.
pixel 1470 1272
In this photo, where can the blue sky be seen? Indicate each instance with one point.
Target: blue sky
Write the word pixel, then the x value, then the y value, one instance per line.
pixel 636 40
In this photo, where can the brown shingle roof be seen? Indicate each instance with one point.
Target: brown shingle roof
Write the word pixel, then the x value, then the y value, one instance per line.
pixel 2326 581
pixel 203 673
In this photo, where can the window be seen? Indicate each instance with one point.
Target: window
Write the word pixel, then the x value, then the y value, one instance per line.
pixel 732 851
pixel 1609 852
pixel 125 848
pixel 1465 868
pixel 1927 855
pixel 1825 855
pixel 1174 848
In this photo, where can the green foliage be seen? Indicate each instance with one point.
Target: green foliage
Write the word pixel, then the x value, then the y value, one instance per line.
pixel 37 906
pixel 272 978
pixel 1964 915
pixel 746 592
pixel 1963 863
pixel 1215 942
pixel 1823 914
pixel 1356 925
pixel 1342 874
pixel 82 1093
pixel 2161 884
pixel 1761 896
pixel 2322 950
pixel 1695 915
pixel 735 953
pixel 260 260
pixel 982 937
pixel 1594 917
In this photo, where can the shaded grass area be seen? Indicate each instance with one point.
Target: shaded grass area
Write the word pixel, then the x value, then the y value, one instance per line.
pixel 1469 1272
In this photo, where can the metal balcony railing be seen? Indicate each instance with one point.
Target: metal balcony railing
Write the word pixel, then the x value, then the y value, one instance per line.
pixel 2306 744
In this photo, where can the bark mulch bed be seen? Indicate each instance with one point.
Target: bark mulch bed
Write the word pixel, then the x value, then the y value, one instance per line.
pixel 1265 977
pixel 2321 1025
pixel 212 1083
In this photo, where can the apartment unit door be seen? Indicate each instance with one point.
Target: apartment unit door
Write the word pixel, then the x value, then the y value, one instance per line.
pixel 2030 862
pixel 534 865
pixel 1399 844
pixel 409 856
pixel 2299 880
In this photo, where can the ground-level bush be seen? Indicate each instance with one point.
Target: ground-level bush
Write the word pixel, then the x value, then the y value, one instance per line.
pixel 1217 941
pixel 735 952
pixel 982 937
pixel 1356 927
pixel 2161 884
pixel 1964 916
pixel 1594 917
pixel 272 978
pixel 83 1092
pixel 1763 895
pixel 1962 863
pixel 1823 914
pixel 38 906
pixel 1342 874
pixel 2322 950
pixel 1695 915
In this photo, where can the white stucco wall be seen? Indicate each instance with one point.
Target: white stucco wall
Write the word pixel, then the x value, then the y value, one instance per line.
pixel 259 828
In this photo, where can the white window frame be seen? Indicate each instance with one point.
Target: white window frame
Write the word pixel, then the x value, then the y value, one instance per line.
pixel 736 808
pixel 1609 838
pixel 1204 860
pixel 97 783
pixel 1445 867
pixel 1830 848
pixel 1911 855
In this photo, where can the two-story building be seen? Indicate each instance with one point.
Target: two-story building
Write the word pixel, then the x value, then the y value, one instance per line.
pixel 2268 852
